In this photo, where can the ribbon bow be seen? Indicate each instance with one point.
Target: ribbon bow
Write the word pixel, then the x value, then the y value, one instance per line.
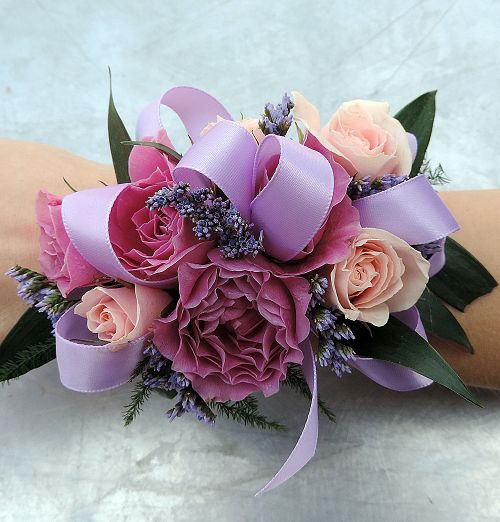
pixel 284 188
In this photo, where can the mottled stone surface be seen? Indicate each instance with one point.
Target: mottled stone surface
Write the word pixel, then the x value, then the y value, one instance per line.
pixel 391 457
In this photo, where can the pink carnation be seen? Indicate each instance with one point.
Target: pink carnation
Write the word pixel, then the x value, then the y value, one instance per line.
pixel 152 245
pixel 236 327
pixel 59 260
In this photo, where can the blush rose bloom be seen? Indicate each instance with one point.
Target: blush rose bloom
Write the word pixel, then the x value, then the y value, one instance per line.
pixel 152 244
pixel 59 260
pixel 382 275
pixel 362 135
pixel 119 315
pixel 236 327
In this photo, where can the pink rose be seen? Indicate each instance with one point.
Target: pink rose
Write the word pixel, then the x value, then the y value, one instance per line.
pixel 383 274
pixel 144 160
pixel 152 245
pixel 236 327
pixel 59 260
pixel 119 315
pixel 364 138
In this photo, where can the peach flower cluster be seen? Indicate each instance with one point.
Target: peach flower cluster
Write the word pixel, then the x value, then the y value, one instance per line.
pixel 382 274
pixel 363 137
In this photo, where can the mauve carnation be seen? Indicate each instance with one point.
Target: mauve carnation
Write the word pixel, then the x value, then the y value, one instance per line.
pixel 59 260
pixel 236 327
pixel 152 244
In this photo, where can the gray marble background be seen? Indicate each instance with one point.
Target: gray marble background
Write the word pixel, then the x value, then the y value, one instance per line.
pixel 390 457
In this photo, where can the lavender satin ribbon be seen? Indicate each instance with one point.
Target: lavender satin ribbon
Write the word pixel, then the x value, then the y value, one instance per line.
pixel 87 368
pixel 228 156
pixel 194 107
pixel 288 214
pixel 411 210
pixel 392 375
pixel 305 448
pixel 85 217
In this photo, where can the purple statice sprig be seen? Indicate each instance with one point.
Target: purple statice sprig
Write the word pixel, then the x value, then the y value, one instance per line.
pixel 211 216
pixel 156 374
pixel 360 188
pixel 331 329
pixel 277 119
pixel 37 291
pixel 429 249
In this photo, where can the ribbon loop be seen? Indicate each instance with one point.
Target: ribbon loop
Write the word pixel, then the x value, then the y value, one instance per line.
pixel 294 203
pixel 225 156
pixel 411 210
pixel 86 216
pixel 89 369
pixel 194 107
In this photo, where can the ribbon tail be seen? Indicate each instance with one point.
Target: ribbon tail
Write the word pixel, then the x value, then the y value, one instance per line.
pixel 305 448
pixel 392 375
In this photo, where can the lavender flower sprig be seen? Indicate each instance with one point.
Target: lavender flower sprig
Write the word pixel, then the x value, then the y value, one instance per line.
pixel 157 374
pixel 211 216
pixel 332 331
pixel 277 119
pixel 37 291
pixel 360 188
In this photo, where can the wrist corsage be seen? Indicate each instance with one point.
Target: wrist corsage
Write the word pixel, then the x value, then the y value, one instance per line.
pixel 228 272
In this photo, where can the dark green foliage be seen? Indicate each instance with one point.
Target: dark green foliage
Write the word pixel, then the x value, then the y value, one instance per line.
pixel 117 133
pixel 28 359
pixel 140 395
pixel 418 118
pixel 32 329
pixel 245 412
pixel 397 343
pixel 296 381
pixel 436 175
pixel 463 278
pixel 438 320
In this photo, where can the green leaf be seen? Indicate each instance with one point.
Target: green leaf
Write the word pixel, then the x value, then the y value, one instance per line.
pixel 117 133
pixel 159 146
pixel 140 395
pixel 418 118
pixel 463 278
pixel 300 134
pixel 438 320
pixel 33 328
pixel 246 412
pixel 397 343
pixel 28 359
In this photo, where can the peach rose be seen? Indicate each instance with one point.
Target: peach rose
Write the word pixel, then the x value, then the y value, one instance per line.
pixel 363 137
pixel 383 274
pixel 249 124
pixel 119 315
